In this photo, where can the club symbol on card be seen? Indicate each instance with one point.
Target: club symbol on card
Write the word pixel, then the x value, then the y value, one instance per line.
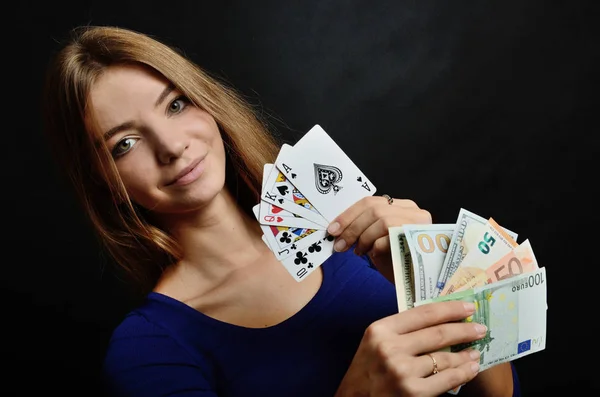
pixel 328 178
pixel 329 238
pixel 315 247
pixel 285 238
pixel 310 265
pixel 300 258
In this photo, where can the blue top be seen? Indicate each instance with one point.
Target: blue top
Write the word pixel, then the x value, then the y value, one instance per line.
pixel 166 348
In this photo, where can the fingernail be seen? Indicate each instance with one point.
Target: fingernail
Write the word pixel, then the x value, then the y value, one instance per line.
pixel 475 367
pixel 469 307
pixel 474 354
pixel 339 245
pixel 334 227
pixel 480 328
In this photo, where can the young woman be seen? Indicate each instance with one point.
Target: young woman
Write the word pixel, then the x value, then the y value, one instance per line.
pixel 167 162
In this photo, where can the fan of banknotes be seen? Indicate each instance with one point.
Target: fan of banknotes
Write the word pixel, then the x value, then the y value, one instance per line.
pixel 477 260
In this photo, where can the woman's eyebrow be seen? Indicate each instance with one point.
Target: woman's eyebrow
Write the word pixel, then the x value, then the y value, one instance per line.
pixel 129 124
pixel 168 89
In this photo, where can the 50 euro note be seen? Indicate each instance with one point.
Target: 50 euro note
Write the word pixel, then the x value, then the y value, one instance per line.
pixel 486 244
pixel 428 244
pixel 514 312
pixel 520 259
pixel 467 226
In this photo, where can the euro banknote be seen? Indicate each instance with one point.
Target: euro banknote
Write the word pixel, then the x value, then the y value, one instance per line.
pixel 490 243
pixel 467 226
pixel 520 259
pixel 514 312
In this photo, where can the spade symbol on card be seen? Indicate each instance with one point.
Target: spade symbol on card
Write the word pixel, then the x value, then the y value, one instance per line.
pixel 328 178
pixel 283 190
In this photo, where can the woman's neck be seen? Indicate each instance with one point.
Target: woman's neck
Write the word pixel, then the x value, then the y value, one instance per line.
pixel 217 240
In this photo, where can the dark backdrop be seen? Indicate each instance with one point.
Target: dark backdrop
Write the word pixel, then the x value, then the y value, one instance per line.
pixel 485 105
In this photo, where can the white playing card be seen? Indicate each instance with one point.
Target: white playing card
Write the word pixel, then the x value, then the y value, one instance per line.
pixel 264 239
pixel 255 210
pixel 271 214
pixel 319 168
pixel 285 241
pixel 302 261
pixel 305 261
pixel 279 191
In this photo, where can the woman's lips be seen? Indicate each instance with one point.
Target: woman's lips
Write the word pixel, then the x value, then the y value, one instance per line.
pixel 191 175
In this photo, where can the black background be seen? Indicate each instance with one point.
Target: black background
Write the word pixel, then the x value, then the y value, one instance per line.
pixel 486 105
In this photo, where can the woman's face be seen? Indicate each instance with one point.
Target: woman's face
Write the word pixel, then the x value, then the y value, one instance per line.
pixel 169 153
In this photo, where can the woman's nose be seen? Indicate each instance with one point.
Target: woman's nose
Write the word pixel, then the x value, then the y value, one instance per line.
pixel 171 143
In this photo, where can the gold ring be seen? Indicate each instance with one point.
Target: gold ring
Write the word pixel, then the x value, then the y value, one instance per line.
pixel 435 368
pixel 389 199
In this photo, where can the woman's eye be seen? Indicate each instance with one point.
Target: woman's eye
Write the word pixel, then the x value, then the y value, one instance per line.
pixel 123 146
pixel 178 105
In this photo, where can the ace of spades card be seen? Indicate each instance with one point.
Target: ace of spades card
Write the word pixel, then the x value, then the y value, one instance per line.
pixel 324 174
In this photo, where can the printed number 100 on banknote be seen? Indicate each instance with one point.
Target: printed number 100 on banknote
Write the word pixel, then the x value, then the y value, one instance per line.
pixel 514 312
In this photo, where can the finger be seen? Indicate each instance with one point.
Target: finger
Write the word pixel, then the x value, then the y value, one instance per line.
pixel 380 247
pixel 339 224
pixel 424 364
pixel 364 222
pixel 368 237
pixel 426 316
pixel 405 203
pixel 447 379
pixel 441 336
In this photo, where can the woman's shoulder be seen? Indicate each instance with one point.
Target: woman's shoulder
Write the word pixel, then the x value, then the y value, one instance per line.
pixel 144 357
pixel 150 334
pixel 158 315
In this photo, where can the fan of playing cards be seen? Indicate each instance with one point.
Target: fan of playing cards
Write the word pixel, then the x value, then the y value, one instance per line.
pixel 309 185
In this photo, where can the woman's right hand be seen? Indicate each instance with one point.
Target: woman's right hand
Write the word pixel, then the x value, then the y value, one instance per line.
pixel 392 358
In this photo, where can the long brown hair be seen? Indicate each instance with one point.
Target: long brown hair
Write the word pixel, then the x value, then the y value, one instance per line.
pixel 139 247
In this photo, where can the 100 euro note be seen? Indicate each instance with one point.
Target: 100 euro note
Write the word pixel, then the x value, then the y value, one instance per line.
pixel 514 312
pixel 467 226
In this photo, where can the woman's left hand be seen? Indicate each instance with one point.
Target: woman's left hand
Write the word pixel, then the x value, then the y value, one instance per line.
pixel 367 224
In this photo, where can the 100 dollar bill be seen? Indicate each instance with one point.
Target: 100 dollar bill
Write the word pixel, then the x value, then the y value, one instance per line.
pixel 402 265
pixel 428 245
pixel 514 312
